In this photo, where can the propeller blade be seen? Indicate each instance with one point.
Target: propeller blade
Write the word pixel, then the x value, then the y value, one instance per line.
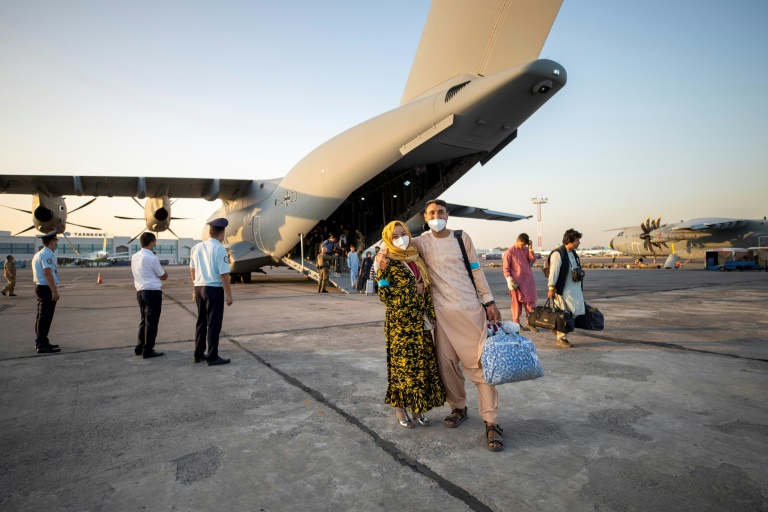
pixel 19 209
pixel 20 232
pixel 174 234
pixel 129 218
pixel 181 218
pixel 86 227
pixel 70 243
pixel 84 205
pixel 138 203
pixel 137 236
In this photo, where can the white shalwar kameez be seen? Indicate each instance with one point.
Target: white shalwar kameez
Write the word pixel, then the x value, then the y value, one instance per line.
pixel 572 298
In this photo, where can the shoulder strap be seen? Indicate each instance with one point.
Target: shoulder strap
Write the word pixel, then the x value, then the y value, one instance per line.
pixel 457 234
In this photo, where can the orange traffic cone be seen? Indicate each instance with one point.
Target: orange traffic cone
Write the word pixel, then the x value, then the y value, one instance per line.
pixel 99 280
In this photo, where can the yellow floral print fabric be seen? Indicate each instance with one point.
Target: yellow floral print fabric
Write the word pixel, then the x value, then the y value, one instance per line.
pixel 413 377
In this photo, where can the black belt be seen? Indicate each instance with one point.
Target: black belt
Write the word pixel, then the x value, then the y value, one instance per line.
pixel 320 268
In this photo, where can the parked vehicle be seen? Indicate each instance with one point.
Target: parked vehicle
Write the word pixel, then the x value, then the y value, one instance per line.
pixel 728 259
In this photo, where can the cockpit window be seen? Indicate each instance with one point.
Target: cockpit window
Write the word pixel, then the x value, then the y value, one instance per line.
pixel 621 233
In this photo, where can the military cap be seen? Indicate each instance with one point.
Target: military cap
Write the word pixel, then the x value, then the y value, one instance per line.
pixel 220 223
pixel 52 234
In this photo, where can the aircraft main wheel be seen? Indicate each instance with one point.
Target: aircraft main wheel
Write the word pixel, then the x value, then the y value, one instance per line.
pixel 236 278
pixel 246 277
pixel 721 269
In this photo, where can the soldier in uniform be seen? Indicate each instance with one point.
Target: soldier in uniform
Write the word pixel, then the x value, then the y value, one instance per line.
pixel 324 262
pixel 9 272
pixel 46 290
pixel 209 269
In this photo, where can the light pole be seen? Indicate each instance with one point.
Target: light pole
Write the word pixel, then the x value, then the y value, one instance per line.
pixel 538 201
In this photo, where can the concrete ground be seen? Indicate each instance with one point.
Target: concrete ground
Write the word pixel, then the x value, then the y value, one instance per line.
pixel 663 410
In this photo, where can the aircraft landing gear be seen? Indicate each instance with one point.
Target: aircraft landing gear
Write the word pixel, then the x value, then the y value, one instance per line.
pixel 240 278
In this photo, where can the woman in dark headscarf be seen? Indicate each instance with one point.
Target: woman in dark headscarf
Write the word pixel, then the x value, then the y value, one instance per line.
pixel 365 271
pixel 413 378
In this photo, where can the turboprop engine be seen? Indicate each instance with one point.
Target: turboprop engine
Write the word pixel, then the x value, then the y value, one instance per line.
pixel 49 213
pixel 157 213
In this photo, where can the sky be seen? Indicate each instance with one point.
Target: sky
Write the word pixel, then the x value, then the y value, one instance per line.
pixel 663 113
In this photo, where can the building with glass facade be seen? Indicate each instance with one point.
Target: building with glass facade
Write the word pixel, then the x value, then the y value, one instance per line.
pixel 23 248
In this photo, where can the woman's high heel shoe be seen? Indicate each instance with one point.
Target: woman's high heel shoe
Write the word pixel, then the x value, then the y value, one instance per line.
pixel 423 421
pixel 406 422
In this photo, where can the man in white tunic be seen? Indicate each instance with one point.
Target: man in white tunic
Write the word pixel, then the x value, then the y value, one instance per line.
pixel 563 287
pixel 460 328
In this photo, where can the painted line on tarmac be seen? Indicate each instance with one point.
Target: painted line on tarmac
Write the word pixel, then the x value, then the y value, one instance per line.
pixel 661 344
pixel 388 447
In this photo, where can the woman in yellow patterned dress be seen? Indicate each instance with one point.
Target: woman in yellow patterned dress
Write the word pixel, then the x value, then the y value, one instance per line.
pixel 413 378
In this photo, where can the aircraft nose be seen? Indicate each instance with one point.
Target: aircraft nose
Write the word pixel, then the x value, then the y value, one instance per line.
pixel 610 244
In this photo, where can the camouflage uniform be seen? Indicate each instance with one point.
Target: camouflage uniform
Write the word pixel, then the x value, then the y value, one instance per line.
pixel 9 271
pixel 324 262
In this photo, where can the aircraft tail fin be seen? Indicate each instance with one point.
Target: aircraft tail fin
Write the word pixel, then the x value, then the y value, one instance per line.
pixel 478 38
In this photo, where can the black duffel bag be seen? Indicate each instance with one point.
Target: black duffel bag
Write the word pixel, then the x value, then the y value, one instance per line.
pixel 550 316
pixel 592 319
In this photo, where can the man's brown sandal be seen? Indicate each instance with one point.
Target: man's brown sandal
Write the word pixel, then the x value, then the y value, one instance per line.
pixel 495 444
pixel 457 417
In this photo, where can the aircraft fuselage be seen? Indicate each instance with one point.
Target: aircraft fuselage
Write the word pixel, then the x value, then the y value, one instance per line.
pixel 471 117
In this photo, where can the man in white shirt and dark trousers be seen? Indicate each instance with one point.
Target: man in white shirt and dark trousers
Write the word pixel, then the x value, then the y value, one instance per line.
pixel 209 269
pixel 47 291
pixel 147 274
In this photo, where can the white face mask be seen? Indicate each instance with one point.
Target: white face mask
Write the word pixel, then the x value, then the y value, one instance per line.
pixel 437 224
pixel 402 242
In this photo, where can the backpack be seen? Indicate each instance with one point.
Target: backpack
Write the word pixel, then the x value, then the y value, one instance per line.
pixel 545 268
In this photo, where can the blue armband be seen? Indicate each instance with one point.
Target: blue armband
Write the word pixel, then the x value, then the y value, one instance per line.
pixel 474 265
pixel 383 282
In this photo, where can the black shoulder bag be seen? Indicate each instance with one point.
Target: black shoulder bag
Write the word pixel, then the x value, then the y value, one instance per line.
pixel 457 233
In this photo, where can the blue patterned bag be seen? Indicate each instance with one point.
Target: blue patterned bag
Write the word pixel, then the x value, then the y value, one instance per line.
pixel 509 358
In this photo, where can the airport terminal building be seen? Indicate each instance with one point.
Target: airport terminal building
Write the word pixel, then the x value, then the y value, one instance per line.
pixel 23 248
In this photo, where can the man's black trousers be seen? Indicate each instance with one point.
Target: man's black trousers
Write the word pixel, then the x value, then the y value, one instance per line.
pixel 150 304
pixel 210 313
pixel 45 309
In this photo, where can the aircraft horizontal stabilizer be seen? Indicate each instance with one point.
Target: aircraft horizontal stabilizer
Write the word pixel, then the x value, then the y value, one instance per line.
pixel 472 212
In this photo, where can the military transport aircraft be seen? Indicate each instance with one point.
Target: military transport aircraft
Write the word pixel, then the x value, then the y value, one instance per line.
pixel 691 239
pixel 475 79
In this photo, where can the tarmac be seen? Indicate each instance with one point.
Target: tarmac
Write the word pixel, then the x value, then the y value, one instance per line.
pixel 664 410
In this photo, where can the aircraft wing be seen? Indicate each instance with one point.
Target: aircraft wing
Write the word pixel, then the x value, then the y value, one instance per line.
pixel 141 187
pixel 472 212
pixel 709 224
pixel 121 256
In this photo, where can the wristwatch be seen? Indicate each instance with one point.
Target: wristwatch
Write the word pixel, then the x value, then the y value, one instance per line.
pixel 489 303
